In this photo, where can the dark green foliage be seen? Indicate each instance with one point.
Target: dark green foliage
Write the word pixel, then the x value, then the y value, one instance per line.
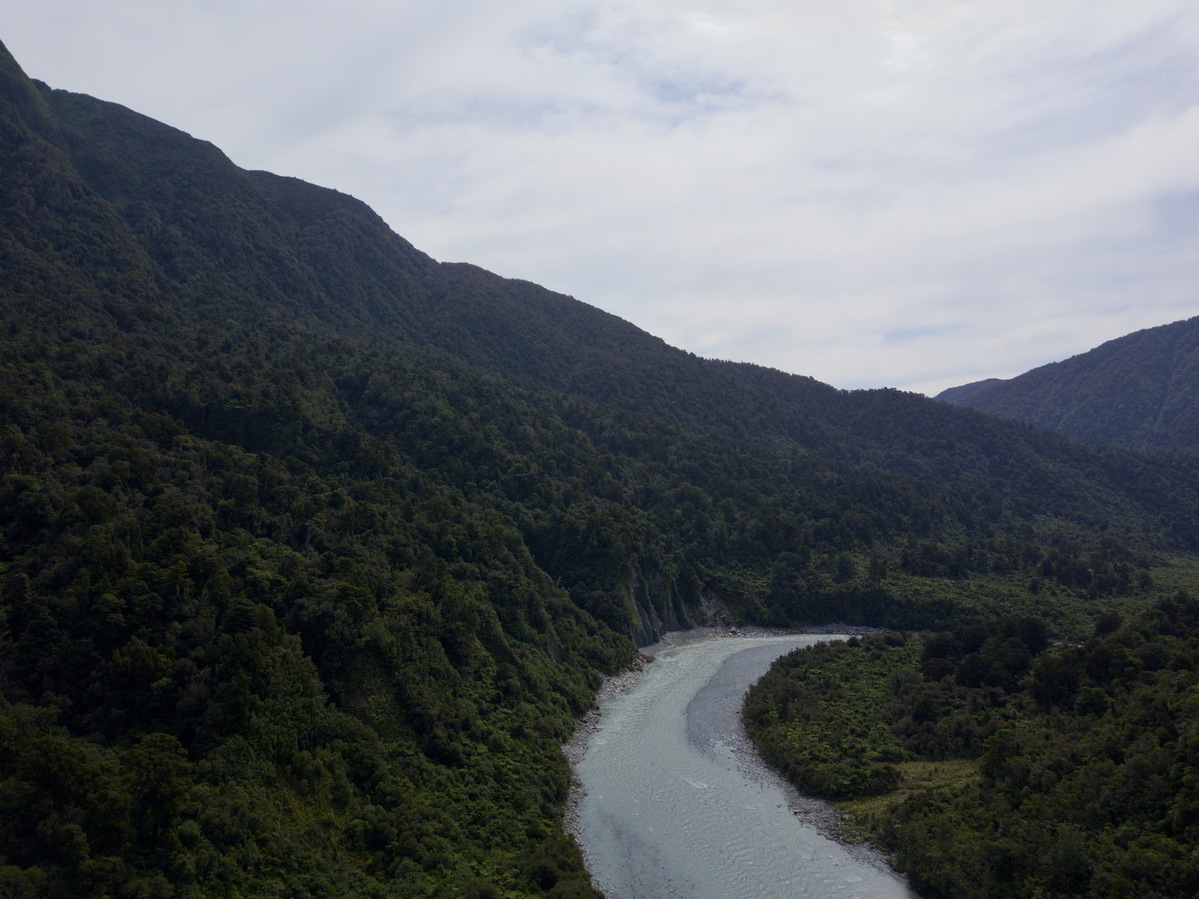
pixel 1136 392
pixel 822 729
pixel 1087 754
pixel 284 713
pixel 313 548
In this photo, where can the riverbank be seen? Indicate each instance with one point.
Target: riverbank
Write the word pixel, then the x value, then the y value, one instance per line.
pixel 576 747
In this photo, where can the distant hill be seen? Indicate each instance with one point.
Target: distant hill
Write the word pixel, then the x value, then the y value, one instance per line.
pixel 314 548
pixel 1136 392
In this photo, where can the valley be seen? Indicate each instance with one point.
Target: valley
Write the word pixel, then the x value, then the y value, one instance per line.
pixel 315 549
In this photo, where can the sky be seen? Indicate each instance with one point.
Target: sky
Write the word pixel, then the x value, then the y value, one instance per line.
pixel 874 193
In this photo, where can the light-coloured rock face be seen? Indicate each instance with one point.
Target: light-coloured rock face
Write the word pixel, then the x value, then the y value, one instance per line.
pixel 658 609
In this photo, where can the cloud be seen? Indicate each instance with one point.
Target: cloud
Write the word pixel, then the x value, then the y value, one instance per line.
pixel 872 193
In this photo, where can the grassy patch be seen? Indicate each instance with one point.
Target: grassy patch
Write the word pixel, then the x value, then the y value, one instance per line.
pixel 862 817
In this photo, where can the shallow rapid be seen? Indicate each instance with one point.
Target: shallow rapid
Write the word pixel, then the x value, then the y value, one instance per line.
pixel 677 804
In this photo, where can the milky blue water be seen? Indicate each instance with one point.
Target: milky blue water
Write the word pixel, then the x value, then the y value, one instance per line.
pixel 676 803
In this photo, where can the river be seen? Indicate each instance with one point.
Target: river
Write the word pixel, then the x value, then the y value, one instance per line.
pixel 675 803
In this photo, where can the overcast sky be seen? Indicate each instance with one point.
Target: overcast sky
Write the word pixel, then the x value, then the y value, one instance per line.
pixel 905 194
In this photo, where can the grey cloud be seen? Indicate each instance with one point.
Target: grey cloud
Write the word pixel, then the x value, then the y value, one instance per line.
pixel 795 184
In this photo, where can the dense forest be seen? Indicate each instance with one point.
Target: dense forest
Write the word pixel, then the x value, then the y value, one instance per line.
pixel 991 761
pixel 314 548
pixel 1137 392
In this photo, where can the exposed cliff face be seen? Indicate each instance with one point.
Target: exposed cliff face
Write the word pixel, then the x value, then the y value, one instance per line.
pixel 659 607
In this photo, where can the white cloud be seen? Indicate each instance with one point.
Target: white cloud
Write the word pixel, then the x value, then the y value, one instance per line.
pixel 914 194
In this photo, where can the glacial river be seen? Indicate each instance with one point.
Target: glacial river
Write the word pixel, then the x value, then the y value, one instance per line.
pixel 677 805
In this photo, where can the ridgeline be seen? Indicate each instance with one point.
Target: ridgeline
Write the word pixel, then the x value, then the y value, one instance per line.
pixel 1140 392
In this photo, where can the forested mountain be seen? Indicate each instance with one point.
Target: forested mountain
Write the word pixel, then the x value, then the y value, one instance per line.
pixel 314 548
pixel 1137 392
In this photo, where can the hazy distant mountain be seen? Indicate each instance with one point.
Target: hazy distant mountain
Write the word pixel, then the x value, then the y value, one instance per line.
pixel 1136 392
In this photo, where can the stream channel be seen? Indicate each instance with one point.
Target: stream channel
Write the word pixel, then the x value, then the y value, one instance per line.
pixel 676 803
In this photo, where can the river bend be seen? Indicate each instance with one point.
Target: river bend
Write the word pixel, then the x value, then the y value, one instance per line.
pixel 676 804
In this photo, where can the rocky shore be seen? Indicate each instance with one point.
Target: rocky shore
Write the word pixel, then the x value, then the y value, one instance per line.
pixel 575 748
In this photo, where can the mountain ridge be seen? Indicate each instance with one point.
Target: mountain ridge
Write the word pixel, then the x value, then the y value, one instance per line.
pixel 1135 392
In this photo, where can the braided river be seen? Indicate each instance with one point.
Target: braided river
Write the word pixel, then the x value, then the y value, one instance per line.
pixel 675 803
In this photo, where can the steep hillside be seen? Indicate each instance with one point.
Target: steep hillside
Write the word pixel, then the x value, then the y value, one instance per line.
pixel 1138 392
pixel 314 548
